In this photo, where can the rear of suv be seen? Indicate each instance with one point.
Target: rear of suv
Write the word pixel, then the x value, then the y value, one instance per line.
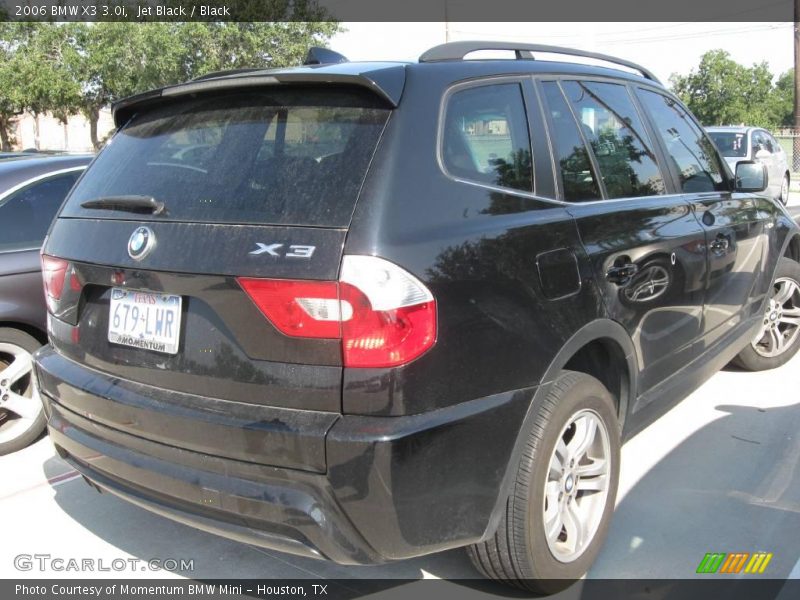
pixel 371 311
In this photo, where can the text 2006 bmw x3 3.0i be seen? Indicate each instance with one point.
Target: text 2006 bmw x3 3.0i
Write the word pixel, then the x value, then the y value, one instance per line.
pixel 370 311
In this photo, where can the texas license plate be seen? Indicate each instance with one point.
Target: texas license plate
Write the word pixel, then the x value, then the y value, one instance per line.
pixel 145 320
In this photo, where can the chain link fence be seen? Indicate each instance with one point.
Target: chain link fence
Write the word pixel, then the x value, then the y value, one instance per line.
pixel 789 139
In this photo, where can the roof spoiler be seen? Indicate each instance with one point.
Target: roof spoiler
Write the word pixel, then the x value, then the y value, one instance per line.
pixel 386 83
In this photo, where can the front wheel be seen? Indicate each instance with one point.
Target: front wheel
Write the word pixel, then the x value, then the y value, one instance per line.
pixel 784 197
pixel 560 508
pixel 778 338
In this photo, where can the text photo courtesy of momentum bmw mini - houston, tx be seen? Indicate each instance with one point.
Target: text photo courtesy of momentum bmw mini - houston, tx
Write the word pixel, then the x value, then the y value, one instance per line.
pixel 301 300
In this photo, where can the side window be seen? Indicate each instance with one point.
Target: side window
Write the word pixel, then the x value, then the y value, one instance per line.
pixel 618 139
pixel 776 147
pixel 578 181
pixel 758 142
pixel 25 216
pixel 764 141
pixel 692 153
pixel 485 137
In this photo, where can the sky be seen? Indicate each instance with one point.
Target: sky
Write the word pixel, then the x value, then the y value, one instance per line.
pixel 664 48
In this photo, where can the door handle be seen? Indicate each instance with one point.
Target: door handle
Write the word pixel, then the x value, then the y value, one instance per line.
pixel 622 274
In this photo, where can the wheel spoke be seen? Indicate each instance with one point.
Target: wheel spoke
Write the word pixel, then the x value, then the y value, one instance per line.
pixel 551 494
pixel 560 458
pixel 786 289
pixel 598 466
pixel 578 446
pixel 794 311
pixel 776 341
pixel 553 526
pixel 788 320
pixel 16 370
pixel 573 525
pixel 24 408
pixel 760 335
pixel 592 484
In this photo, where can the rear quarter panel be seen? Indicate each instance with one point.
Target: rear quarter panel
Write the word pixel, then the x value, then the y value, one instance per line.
pixel 478 250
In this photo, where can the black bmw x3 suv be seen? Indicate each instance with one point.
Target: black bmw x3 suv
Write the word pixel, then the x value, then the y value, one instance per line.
pixel 370 311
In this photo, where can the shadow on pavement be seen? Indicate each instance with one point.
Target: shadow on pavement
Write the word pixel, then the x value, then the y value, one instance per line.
pixel 733 486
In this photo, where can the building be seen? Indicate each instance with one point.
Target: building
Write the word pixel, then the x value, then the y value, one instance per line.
pixel 55 135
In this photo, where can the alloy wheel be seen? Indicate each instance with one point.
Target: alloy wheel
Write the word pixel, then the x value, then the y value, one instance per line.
pixel 20 405
pixel 781 323
pixel 577 485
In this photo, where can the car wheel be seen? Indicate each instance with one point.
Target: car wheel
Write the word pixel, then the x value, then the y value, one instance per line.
pixel 784 197
pixel 22 417
pixel 777 340
pixel 558 513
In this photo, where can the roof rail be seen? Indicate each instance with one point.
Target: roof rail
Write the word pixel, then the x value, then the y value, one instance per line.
pixel 458 50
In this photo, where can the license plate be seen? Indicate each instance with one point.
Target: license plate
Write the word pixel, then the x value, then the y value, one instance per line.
pixel 145 320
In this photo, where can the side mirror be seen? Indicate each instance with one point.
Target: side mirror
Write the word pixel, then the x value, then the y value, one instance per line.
pixel 763 153
pixel 750 176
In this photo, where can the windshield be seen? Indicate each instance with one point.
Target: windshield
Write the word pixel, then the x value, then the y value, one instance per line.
pixel 274 156
pixel 733 144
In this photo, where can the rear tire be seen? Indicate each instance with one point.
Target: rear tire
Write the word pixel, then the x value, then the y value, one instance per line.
pixel 779 338
pixel 22 417
pixel 563 472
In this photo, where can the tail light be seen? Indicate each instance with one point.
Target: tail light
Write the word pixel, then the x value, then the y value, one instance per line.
pixel 54 273
pixel 384 316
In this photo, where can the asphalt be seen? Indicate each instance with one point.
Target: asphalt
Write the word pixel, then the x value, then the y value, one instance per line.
pixel 717 473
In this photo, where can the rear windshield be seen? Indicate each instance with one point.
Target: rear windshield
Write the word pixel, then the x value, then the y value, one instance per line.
pixel 732 144
pixel 274 156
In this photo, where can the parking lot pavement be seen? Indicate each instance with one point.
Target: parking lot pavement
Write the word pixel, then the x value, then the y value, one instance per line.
pixel 718 472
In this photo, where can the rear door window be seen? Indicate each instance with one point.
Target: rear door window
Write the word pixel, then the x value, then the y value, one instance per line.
pixel 578 181
pixel 485 137
pixel 617 137
pixel 277 156
pixel 26 214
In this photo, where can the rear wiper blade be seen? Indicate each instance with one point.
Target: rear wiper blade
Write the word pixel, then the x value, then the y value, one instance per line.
pixel 131 203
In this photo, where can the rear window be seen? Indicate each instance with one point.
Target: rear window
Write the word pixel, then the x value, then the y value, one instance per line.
pixel 277 156
pixel 732 144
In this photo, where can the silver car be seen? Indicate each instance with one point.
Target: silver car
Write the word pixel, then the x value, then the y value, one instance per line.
pixel 752 143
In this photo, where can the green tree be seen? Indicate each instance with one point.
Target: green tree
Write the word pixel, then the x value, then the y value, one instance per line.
pixel 44 81
pixel 217 46
pixel 10 99
pixel 723 92
pixel 33 75
pixel 114 60
pixel 71 67
pixel 781 100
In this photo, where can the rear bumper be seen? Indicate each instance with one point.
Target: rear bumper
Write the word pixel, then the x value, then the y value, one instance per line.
pixel 391 487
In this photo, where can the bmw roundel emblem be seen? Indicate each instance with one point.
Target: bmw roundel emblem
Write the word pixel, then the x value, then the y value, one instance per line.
pixel 142 241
